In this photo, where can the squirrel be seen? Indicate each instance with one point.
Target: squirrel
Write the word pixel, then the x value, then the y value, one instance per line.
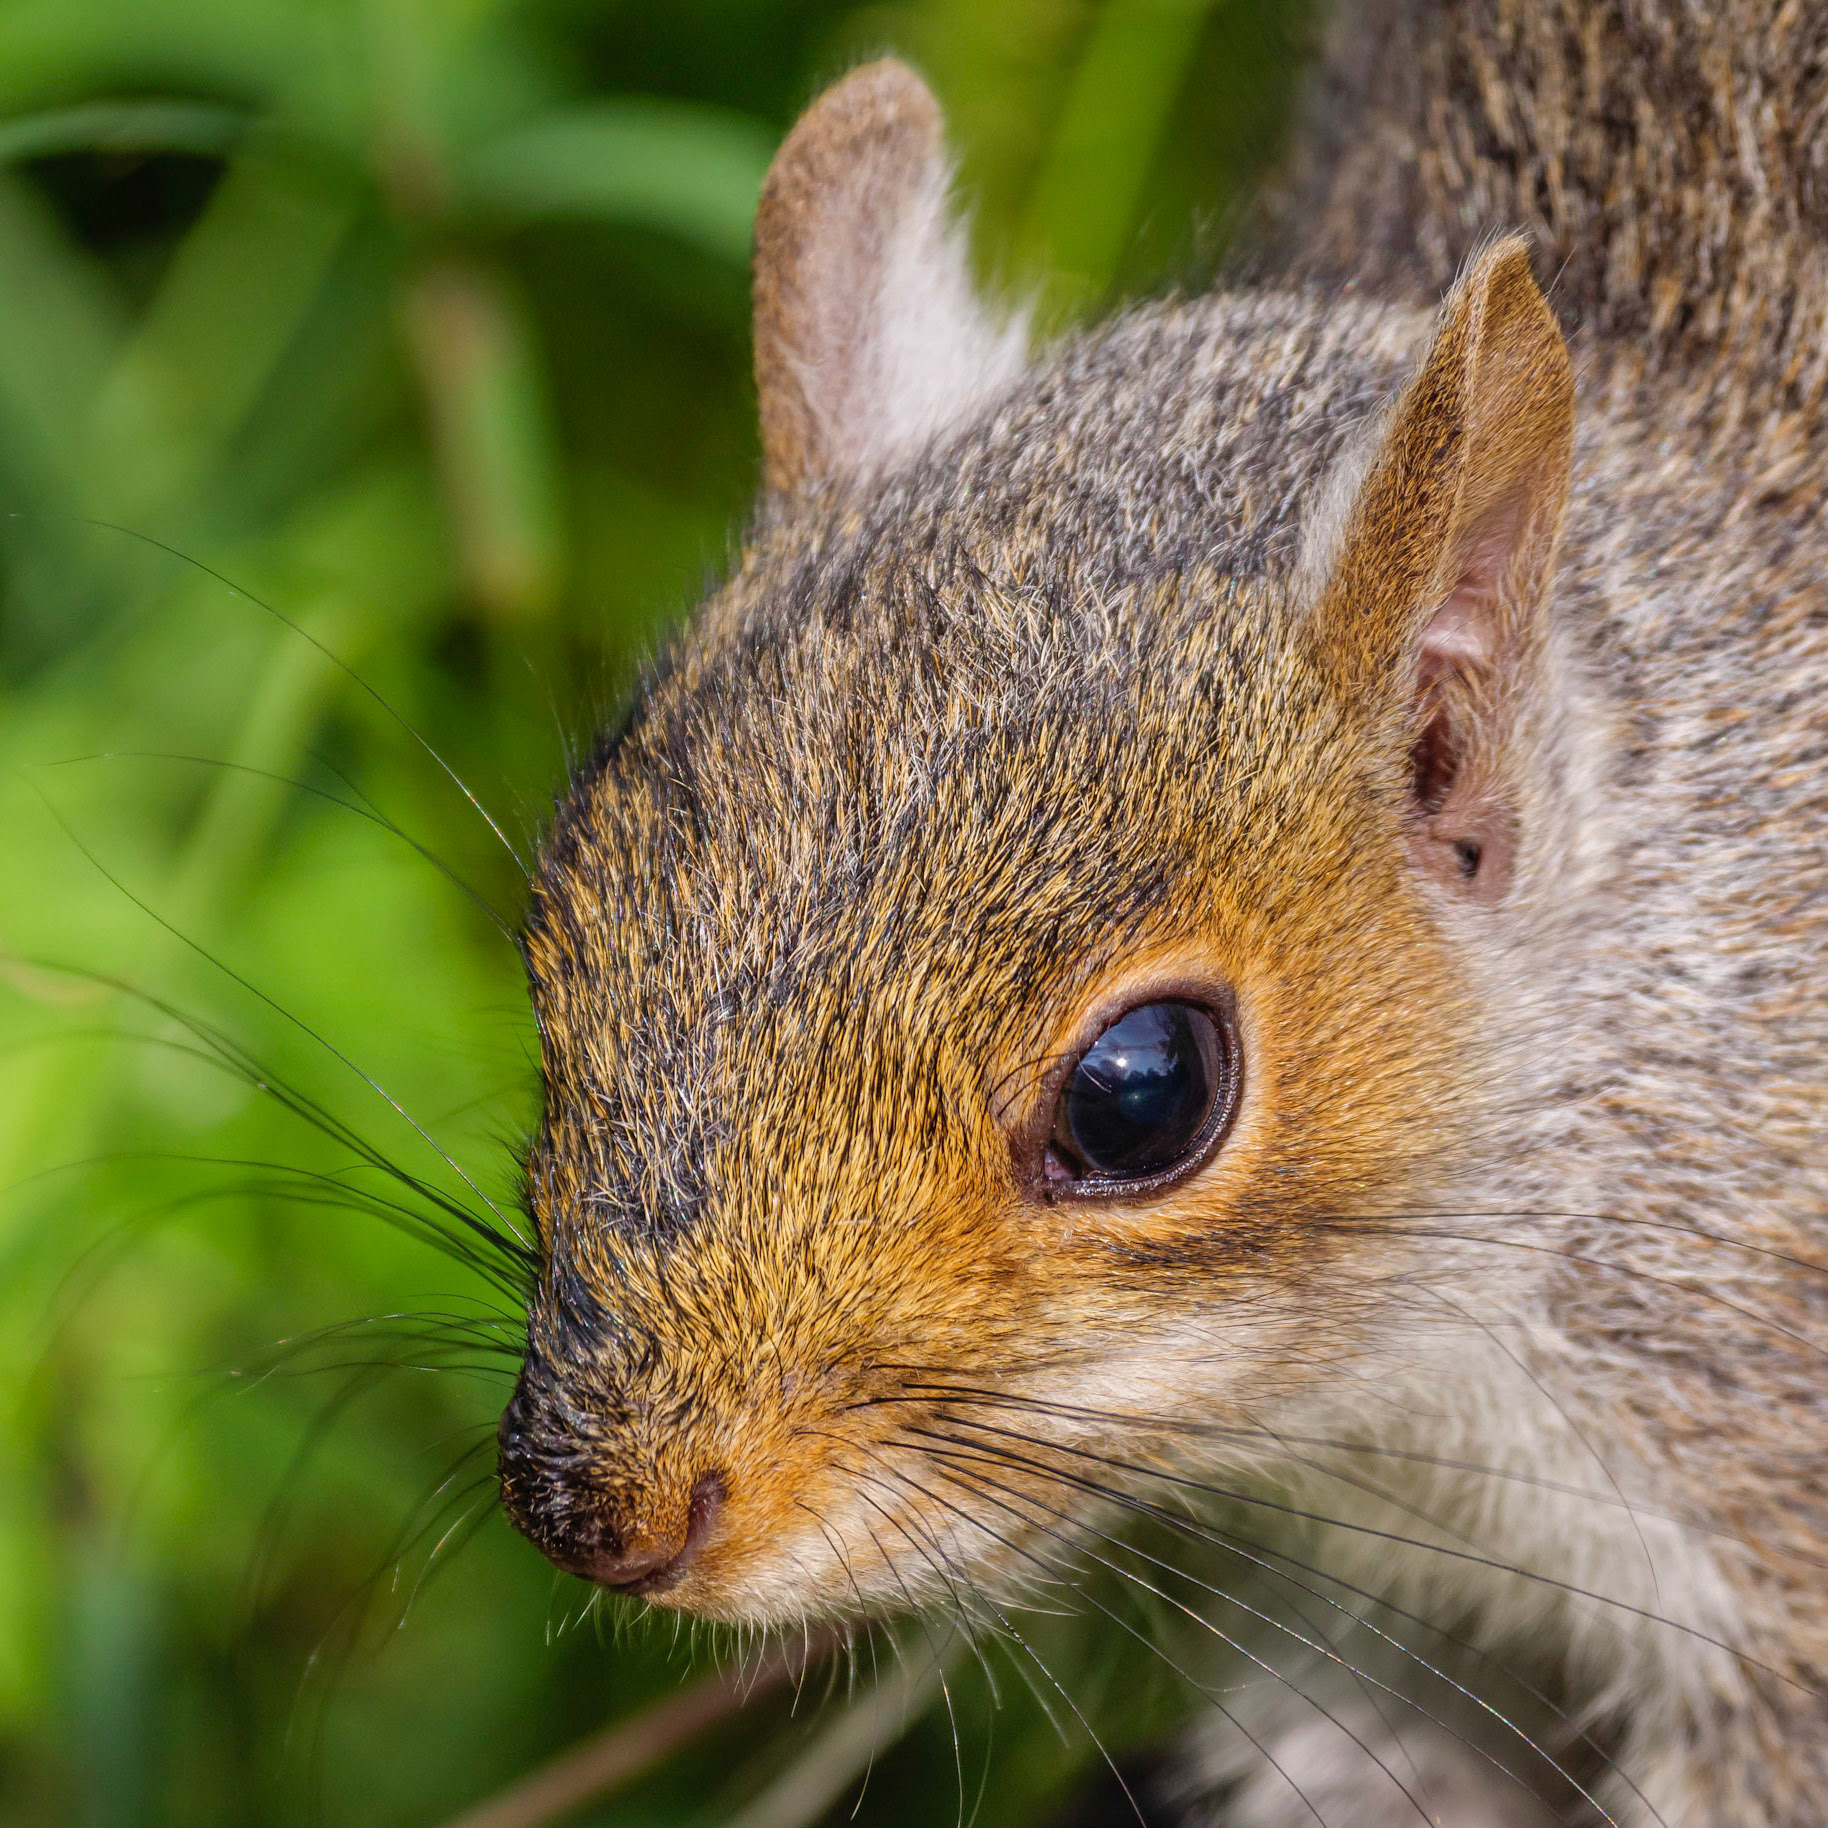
pixel 1243 900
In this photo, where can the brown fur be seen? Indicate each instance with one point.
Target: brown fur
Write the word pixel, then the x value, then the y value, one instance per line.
pixel 890 123
pixel 1669 159
pixel 1117 685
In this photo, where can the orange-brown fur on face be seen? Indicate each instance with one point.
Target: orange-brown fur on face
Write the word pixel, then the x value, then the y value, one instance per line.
pixel 853 1219
pixel 812 927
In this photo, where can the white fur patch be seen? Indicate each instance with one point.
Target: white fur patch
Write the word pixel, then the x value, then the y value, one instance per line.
pixel 934 355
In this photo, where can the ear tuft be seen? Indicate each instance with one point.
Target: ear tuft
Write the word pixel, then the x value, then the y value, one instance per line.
pixel 868 335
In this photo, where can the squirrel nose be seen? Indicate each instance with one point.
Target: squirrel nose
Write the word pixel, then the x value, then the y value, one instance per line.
pixel 638 1563
pixel 593 1540
pixel 636 1536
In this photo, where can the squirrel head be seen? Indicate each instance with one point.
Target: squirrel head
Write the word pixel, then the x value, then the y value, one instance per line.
pixel 1035 910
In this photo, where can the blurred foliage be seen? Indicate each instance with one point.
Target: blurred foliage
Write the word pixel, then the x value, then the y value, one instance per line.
pixel 424 323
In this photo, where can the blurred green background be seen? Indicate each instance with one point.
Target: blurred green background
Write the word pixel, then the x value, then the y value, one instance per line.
pixel 424 323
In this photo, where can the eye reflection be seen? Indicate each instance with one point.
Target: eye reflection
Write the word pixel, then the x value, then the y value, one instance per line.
pixel 1144 1098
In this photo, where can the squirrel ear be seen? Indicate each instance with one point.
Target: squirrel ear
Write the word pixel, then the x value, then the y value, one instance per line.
pixel 1436 581
pixel 868 335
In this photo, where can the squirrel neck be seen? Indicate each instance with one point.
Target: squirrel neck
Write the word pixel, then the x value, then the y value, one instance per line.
pixel 1666 156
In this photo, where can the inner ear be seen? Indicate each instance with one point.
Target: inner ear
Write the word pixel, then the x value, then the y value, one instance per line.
pixel 1462 823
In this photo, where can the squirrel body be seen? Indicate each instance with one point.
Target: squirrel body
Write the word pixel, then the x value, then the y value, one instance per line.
pixel 1437 701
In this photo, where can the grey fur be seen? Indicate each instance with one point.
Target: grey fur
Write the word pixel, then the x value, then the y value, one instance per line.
pixel 917 711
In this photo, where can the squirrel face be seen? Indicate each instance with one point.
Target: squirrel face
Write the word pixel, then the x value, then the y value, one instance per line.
pixel 1007 766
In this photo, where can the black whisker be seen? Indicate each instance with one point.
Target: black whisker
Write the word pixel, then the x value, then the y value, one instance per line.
pixel 1626 1271
pixel 937 1561
pixel 987 1488
pixel 279 1009
pixel 1313 1644
pixel 837 1549
pixel 343 666
pixel 511 1262
pixel 1258 1502
pixel 953 1396
pixel 1125 1626
pixel 1254 1553
pixel 365 809
pixel 1574 1428
pixel 1631 1221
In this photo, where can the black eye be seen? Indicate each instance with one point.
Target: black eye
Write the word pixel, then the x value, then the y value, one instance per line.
pixel 1147 1097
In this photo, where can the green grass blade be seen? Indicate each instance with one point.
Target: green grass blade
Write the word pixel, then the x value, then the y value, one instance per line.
pixel 1087 198
pixel 118 127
